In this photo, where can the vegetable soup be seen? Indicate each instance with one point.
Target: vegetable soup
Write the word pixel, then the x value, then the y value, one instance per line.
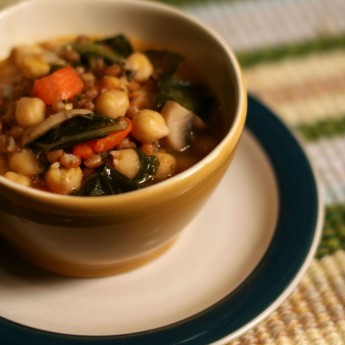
pixel 93 117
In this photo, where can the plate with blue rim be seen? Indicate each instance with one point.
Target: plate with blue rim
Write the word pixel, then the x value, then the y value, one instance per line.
pixel 231 267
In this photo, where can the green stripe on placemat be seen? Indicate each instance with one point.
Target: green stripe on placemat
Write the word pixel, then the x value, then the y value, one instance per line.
pixel 333 236
pixel 251 58
pixel 322 129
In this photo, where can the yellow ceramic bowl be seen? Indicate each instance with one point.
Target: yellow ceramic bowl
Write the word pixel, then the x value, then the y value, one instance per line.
pixel 95 236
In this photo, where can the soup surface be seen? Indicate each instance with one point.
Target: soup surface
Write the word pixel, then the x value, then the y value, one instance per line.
pixel 94 117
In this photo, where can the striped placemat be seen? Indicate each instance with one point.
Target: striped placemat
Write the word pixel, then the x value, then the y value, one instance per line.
pixel 293 57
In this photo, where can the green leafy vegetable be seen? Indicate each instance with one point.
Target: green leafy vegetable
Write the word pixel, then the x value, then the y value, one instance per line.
pixel 164 62
pixel 148 168
pixel 191 96
pixel 115 182
pixel 119 183
pixel 77 130
pixel 110 181
pixel 90 50
pixel 93 186
pixel 112 50
pixel 118 44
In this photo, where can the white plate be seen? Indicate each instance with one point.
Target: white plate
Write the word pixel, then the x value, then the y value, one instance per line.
pixel 230 267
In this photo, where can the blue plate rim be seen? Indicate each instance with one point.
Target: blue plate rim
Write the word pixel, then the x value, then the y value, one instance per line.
pixel 300 213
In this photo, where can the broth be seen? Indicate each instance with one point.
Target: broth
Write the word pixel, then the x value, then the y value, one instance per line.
pixel 92 117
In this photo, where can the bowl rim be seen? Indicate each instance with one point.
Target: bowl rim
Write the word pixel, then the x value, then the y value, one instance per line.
pixel 229 141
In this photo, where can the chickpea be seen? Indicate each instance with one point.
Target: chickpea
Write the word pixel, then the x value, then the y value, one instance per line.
pixel 167 165
pixel 127 162
pixel 140 65
pixel 149 126
pixel 109 82
pixel 30 111
pixel 112 103
pixel 62 180
pixel 21 179
pixel 69 160
pixel 94 161
pixel 33 66
pixel 25 163
pixel 54 156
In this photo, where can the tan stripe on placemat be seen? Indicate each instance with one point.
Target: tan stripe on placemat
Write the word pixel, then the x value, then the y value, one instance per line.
pixel 303 89
pixel 313 314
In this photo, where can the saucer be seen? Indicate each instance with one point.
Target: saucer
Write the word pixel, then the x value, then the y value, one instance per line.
pixel 232 266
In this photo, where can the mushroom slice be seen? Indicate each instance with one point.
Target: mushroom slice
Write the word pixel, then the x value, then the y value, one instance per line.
pixel 35 131
pixel 179 120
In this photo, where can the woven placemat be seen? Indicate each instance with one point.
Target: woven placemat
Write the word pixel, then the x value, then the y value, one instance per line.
pixel 293 57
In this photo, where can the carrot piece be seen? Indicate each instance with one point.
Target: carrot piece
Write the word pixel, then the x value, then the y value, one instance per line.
pixel 61 85
pixel 87 149
pixel 83 150
pixel 112 140
pixel 147 149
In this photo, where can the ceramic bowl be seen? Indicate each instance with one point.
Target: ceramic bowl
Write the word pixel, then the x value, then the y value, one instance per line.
pixel 98 236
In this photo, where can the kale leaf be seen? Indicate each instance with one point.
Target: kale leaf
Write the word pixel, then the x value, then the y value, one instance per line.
pixel 112 50
pixel 109 181
pixel 164 62
pixel 76 130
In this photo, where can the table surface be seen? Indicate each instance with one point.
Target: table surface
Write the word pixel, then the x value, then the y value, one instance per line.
pixel 292 53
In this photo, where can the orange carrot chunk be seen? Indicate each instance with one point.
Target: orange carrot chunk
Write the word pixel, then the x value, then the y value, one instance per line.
pixel 147 149
pixel 112 140
pixel 87 149
pixel 61 85
pixel 83 150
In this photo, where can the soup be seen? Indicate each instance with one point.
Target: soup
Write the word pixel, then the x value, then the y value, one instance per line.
pixel 93 117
